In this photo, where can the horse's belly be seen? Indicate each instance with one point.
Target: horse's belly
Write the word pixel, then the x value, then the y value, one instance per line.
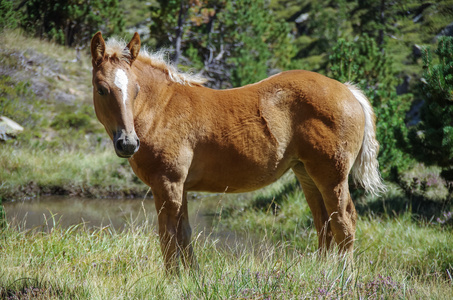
pixel 237 185
pixel 237 176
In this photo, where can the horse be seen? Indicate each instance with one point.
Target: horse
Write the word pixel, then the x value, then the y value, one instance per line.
pixel 181 136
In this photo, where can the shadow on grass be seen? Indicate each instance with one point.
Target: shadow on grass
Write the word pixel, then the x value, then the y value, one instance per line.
pixel 392 204
pixel 277 197
pixel 395 204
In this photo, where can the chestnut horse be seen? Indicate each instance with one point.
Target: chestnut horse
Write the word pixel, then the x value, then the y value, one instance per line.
pixel 180 136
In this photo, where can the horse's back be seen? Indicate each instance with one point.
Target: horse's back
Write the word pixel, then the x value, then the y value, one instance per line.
pixel 263 129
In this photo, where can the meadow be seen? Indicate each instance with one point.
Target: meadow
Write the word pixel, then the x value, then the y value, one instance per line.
pixel 403 245
pixel 396 257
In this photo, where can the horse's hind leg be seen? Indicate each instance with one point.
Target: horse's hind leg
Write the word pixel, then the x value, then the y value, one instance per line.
pixel 317 207
pixel 185 237
pixel 332 181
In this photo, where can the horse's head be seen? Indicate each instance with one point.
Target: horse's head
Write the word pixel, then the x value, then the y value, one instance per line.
pixel 115 88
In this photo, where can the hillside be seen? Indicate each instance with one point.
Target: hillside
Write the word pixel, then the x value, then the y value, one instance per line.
pixel 46 88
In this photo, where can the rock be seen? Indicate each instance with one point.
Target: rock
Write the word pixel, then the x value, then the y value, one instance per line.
pixel 8 128
pixel 417 51
pixel 302 18
pixel 447 31
pixel 403 88
pixel 414 114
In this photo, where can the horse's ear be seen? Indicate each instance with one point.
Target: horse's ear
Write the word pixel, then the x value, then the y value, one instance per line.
pixel 97 49
pixel 134 47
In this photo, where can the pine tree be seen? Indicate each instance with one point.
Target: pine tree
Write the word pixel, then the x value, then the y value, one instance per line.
pixel 316 25
pixel 233 42
pixel 168 26
pixel 256 40
pixel 432 138
pixel 72 22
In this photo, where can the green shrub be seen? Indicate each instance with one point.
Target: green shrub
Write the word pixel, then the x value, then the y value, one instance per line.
pixel 9 18
pixel 235 42
pixel 77 120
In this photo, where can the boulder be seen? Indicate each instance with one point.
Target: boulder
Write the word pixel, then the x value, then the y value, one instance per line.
pixel 447 31
pixel 417 51
pixel 8 128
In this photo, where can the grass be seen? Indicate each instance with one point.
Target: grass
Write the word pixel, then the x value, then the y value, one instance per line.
pixel 391 236
pixel 103 263
pixel 396 256
pixel 32 171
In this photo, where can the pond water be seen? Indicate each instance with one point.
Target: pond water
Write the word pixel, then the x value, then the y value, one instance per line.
pixel 44 212
pixel 94 213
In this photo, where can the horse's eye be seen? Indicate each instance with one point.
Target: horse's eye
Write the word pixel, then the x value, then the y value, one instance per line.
pixel 102 88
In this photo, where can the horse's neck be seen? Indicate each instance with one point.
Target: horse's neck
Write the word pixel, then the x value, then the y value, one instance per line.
pixel 159 97
pixel 155 88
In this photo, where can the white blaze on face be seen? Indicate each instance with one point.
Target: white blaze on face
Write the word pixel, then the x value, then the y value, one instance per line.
pixel 121 82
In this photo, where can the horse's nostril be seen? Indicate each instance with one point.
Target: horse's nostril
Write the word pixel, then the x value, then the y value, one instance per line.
pixel 119 145
pixel 126 145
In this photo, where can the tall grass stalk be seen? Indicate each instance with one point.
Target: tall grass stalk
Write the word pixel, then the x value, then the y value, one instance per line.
pixel 394 249
pixel 102 263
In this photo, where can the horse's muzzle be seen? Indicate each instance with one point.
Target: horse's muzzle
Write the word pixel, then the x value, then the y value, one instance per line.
pixel 125 144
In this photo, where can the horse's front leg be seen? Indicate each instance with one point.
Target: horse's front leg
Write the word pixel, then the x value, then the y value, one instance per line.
pixel 174 228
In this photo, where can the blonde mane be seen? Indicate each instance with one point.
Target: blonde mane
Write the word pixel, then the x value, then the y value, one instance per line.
pixel 117 49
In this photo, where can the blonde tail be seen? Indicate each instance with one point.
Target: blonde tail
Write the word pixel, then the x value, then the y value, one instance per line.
pixel 365 170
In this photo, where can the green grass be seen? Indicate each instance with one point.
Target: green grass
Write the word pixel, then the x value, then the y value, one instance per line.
pixel 103 263
pixel 390 237
pixel 30 172
pixel 397 256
